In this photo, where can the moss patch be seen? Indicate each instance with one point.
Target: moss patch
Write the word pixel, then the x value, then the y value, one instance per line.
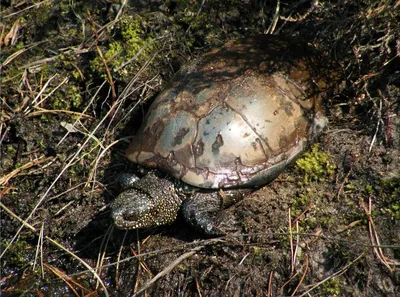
pixel 315 165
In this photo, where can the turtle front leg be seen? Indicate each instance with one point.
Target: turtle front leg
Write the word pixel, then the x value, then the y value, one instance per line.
pixel 203 210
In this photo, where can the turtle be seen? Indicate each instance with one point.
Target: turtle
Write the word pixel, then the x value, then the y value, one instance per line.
pixel 226 124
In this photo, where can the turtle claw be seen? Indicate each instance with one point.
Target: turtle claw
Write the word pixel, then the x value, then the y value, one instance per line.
pixel 202 211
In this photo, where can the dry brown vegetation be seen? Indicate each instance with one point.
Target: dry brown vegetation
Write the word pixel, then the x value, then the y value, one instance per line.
pixel 75 79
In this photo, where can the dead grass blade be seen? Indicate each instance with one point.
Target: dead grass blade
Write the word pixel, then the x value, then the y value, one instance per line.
pixel 119 259
pixel 107 69
pixel 338 273
pixel 36 104
pixel 92 174
pixel 94 273
pixel 39 111
pixel 85 110
pixel 121 9
pixel 72 160
pixel 275 19
pixel 36 5
pixel 167 270
pixel 10 58
pixel 69 281
pixel 294 247
pixel 40 160
pixel 12 36
pixel 26 224
pixel 39 251
pixel 13 215
pixel 140 260
pixel 102 251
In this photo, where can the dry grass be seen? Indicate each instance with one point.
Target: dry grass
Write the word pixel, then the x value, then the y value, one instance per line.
pixel 59 160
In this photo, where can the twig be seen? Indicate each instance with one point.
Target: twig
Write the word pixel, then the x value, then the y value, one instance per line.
pixel 302 277
pixel 373 235
pixel 269 294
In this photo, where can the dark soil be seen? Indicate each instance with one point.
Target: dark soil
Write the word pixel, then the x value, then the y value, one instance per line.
pixel 76 78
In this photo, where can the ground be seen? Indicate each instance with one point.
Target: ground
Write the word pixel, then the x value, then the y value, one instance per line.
pixel 75 81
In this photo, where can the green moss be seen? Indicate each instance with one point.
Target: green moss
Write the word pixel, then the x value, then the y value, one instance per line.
pixel 132 44
pixel 331 287
pixel 11 150
pixel 12 74
pixel 75 96
pixel 41 16
pixel 369 189
pixel 300 203
pixel 69 98
pixel 313 203
pixel 18 253
pixel 42 144
pixel 259 253
pixel 389 190
pixel 315 165
pixel 351 186
pixel 44 118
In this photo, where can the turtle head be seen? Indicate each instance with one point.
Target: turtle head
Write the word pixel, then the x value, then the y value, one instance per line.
pixel 134 209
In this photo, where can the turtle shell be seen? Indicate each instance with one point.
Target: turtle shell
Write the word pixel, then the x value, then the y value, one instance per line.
pixel 237 116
